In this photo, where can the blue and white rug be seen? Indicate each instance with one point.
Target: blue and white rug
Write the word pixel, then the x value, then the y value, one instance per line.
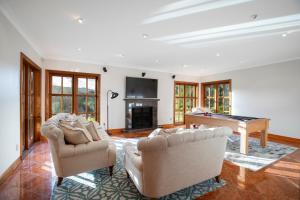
pixel 99 185
pixel 257 157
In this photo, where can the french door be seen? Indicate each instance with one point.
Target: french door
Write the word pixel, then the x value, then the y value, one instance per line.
pixel 185 98
pixel 217 96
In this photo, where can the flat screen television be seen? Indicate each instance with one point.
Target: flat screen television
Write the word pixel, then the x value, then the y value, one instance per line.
pixel 141 87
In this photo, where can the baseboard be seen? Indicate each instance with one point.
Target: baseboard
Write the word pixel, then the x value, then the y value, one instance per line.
pixel 283 138
pixel 10 170
pixel 115 131
pixel 272 136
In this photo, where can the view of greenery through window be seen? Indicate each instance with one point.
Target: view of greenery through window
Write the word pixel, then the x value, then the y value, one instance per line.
pixel 217 97
pixel 185 100
pixel 81 91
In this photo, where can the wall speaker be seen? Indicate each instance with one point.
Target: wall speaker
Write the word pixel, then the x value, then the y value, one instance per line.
pixel 143 74
pixel 174 76
pixel 104 69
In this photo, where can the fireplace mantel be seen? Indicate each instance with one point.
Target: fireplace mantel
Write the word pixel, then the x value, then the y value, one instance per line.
pixel 143 99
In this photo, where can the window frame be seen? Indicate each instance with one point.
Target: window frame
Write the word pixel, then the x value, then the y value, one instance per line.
pixel 75 76
pixel 216 85
pixel 185 97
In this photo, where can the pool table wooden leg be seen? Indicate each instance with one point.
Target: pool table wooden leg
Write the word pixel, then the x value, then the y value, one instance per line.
pixel 244 142
pixel 264 135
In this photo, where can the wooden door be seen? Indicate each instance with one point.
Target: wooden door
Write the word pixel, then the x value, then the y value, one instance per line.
pixel 30 104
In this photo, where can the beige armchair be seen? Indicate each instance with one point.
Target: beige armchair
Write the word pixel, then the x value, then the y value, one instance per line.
pixel 73 159
pixel 160 165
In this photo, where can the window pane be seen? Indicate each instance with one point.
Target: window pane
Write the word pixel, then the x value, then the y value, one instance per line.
pixel 91 104
pixel 56 85
pixel 91 117
pixel 81 101
pixel 221 90
pixel 55 104
pixel 221 106
pixel 81 85
pixel 190 91
pixel 179 103
pixel 226 106
pixel 189 105
pixel 179 90
pixel 226 90
pixel 179 117
pixel 67 85
pixel 92 86
pixel 67 104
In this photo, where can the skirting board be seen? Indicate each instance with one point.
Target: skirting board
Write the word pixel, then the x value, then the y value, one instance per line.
pixel 272 136
pixel 10 170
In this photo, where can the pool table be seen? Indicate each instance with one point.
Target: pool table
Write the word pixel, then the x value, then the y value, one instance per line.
pixel 243 125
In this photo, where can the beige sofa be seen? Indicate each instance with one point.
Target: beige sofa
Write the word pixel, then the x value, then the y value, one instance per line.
pixel 162 165
pixel 73 159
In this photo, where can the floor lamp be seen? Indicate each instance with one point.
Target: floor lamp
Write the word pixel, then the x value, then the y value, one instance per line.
pixel 113 95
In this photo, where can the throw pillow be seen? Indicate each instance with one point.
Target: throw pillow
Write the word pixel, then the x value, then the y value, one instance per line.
pixel 76 124
pixel 74 135
pixel 92 130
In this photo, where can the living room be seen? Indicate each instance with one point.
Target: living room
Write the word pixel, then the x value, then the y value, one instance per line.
pixel 190 99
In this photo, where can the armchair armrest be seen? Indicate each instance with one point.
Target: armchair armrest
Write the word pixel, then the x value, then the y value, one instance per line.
pixel 134 156
pixel 72 150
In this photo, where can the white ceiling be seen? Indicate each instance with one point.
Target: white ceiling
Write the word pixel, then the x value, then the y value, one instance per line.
pixel 186 32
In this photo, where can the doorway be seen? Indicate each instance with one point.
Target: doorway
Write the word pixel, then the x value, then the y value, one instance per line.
pixel 30 103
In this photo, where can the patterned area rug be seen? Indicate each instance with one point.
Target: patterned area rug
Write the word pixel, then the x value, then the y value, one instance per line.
pixel 99 185
pixel 257 157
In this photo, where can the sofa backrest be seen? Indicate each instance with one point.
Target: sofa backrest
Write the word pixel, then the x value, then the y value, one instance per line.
pixel 182 159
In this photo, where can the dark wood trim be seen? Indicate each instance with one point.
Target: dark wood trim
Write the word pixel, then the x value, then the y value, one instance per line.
pixel 116 131
pixel 273 136
pixel 276 137
pixel 10 170
pixel 75 76
pixel 24 60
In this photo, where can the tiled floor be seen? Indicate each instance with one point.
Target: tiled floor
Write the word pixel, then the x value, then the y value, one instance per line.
pixel 35 177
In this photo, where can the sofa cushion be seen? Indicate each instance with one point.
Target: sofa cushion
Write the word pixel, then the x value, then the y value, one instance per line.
pixel 165 132
pixel 74 135
pixel 92 130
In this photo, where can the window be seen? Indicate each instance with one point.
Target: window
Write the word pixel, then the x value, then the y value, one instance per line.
pixel 217 96
pixel 71 92
pixel 185 98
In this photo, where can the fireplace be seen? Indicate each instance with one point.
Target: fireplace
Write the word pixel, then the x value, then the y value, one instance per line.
pixel 141 117
pixel 140 114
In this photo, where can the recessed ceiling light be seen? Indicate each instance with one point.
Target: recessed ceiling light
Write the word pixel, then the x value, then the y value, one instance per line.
pixel 156 61
pixel 218 54
pixel 121 55
pixel 145 36
pixel 79 49
pixel 184 66
pixel 254 16
pixel 284 34
pixel 80 20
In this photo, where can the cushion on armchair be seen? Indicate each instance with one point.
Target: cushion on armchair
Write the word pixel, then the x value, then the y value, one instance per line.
pixel 74 135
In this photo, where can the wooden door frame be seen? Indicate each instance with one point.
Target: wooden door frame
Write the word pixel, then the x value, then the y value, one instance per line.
pixel 37 98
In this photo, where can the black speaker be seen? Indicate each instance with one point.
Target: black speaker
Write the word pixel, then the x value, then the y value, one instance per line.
pixel 143 74
pixel 104 69
pixel 174 76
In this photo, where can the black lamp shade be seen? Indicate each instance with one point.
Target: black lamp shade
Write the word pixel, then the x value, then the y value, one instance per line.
pixel 114 95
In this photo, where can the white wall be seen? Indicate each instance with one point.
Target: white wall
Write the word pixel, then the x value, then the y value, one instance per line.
pixel 11 44
pixel 271 91
pixel 114 80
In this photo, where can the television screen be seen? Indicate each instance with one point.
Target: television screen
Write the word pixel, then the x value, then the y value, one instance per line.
pixel 141 88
